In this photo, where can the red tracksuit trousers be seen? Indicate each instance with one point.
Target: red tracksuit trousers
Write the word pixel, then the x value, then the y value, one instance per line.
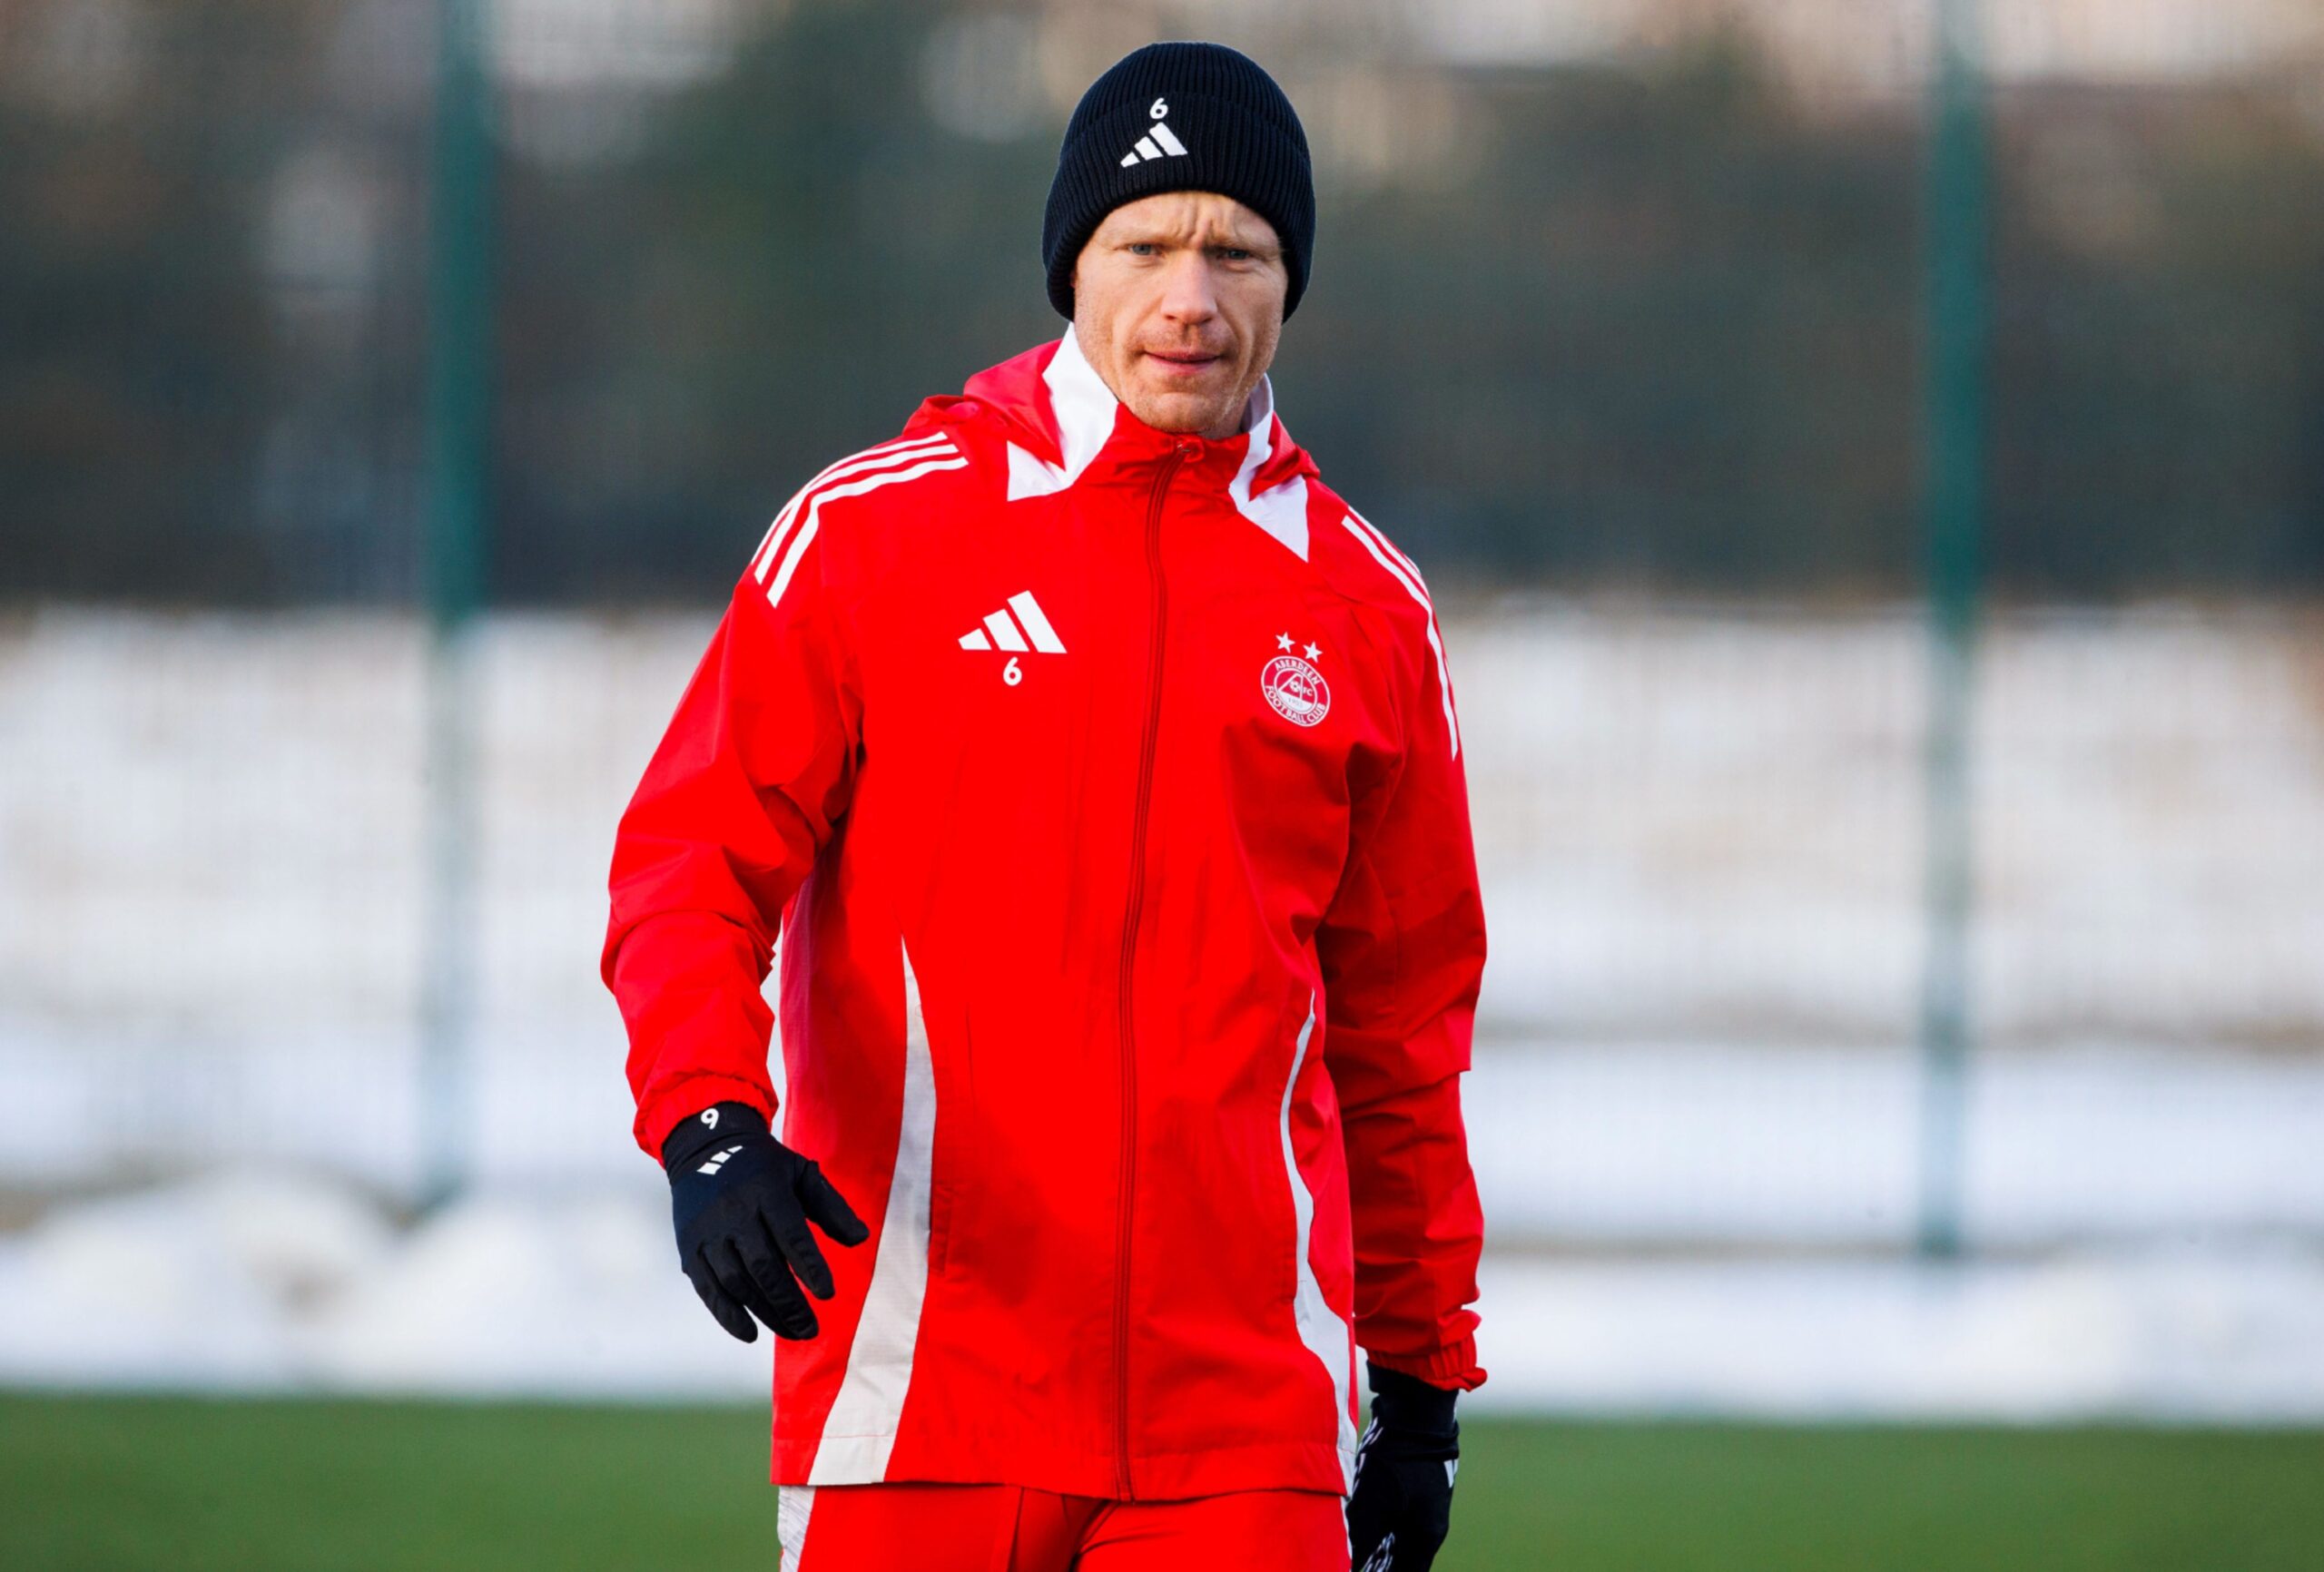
pixel 914 1527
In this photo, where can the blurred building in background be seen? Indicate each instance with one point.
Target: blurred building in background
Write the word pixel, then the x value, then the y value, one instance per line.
pixel 1617 326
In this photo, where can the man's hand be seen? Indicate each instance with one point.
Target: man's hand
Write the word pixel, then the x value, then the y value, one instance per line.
pixel 742 1201
pixel 1403 1503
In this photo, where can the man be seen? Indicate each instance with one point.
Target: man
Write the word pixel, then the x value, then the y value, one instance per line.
pixel 1100 769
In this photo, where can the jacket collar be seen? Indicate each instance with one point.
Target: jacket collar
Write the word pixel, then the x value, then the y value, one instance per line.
pixel 1059 416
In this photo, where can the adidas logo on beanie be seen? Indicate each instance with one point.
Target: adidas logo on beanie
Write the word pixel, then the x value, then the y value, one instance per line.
pixel 1180 117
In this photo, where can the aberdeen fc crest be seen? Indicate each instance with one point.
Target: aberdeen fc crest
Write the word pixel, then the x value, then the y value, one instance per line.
pixel 1295 688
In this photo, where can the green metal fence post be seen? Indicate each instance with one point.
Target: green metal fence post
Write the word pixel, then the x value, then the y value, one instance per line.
pixel 1953 479
pixel 459 431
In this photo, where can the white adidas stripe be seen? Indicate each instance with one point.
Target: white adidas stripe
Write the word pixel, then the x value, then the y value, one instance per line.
pixel 1004 634
pixel 1399 568
pixel 1391 558
pixel 1146 152
pixel 895 452
pixel 900 450
pixel 1000 633
pixel 1411 567
pixel 888 456
pixel 1029 612
pixel 814 511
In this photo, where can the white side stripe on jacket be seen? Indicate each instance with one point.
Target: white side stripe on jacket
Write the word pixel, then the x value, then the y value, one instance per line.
pixel 888 454
pixel 1324 1333
pixel 885 454
pixel 860 1431
pixel 812 515
pixel 1399 568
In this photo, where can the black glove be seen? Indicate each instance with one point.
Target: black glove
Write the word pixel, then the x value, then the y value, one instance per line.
pixel 742 1201
pixel 1403 1502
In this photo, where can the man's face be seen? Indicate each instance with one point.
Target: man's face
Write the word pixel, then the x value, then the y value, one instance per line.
pixel 1178 302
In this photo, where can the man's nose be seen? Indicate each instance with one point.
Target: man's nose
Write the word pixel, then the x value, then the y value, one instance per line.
pixel 1187 294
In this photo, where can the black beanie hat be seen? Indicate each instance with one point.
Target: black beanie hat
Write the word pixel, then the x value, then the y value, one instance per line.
pixel 1180 117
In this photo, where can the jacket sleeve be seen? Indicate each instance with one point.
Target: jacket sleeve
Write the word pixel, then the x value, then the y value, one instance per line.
pixel 1403 946
pixel 752 774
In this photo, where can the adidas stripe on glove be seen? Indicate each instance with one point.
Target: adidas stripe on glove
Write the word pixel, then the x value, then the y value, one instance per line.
pixel 742 1202
pixel 1403 1503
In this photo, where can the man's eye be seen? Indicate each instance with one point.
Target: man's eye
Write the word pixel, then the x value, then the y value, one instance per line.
pixel 1144 249
pixel 1234 253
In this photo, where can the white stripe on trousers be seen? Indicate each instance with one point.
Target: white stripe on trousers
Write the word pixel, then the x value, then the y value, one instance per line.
pixel 793 1505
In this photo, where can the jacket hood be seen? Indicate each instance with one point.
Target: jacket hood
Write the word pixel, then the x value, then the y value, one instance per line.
pixel 1057 414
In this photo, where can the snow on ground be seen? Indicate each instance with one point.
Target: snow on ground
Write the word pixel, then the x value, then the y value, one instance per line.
pixel 1603 1145
pixel 1699 832
pixel 1630 1144
pixel 2233 1336
pixel 1691 825
pixel 1706 824
pixel 1694 828
pixel 270 1281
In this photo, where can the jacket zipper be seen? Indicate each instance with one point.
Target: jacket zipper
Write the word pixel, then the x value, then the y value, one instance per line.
pixel 1161 606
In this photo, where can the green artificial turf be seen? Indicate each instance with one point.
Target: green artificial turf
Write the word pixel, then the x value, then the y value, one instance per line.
pixel 188 1484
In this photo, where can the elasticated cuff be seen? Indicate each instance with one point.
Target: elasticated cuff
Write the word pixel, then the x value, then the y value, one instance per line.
pixel 1454 1367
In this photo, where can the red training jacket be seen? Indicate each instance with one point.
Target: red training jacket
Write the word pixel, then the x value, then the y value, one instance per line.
pixel 1105 786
